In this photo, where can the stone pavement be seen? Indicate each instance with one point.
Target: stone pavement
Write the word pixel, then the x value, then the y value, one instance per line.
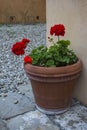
pixel 18 112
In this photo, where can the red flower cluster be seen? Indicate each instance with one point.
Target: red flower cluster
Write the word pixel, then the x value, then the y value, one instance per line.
pixel 18 47
pixel 27 59
pixel 25 40
pixel 58 30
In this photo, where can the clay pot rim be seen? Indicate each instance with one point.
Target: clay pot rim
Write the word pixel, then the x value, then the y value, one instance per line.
pixel 61 71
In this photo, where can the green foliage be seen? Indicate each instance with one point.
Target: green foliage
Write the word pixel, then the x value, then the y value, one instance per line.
pixel 57 55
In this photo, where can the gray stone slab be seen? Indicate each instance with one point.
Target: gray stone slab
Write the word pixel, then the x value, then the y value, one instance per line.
pixel 33 120
pixel 74 119
pixel 26 90
pixel 14 104
pixel 3 125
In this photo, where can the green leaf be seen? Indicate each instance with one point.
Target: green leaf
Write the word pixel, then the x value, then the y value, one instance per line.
pixel 50 63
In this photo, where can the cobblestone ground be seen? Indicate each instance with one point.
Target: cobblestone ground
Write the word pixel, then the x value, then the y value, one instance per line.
pixel 17 105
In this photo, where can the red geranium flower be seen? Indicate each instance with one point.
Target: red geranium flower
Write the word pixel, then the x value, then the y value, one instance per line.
pixel 27 59
pixel 18 48
pixel 19 52
pixel 23 45
pixel 19 45
pixel 58 30
pixel 25 40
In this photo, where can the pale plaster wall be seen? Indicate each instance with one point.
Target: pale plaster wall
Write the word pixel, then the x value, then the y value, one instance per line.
pixel 73 14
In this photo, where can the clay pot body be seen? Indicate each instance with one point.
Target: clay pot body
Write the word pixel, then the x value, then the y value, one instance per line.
pixel 53 86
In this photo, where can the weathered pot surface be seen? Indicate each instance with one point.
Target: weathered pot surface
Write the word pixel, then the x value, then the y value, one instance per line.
pixel 53 86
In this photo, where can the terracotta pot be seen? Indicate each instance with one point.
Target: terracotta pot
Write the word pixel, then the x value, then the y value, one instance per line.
pixel 53 86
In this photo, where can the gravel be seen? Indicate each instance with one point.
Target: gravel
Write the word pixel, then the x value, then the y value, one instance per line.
pixel 11 66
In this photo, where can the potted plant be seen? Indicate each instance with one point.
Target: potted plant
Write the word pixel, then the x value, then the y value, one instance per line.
pixel 52 71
